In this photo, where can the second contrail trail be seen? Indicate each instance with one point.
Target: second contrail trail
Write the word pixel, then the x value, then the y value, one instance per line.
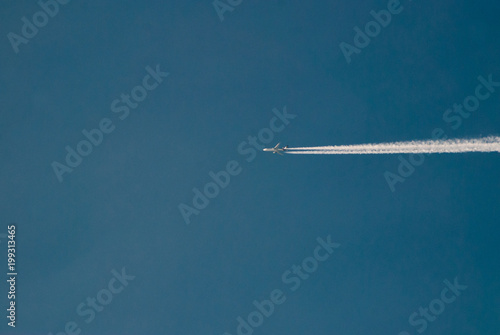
pixel 485 144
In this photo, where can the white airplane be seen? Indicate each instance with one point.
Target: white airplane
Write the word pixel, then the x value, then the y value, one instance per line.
pixel 276 149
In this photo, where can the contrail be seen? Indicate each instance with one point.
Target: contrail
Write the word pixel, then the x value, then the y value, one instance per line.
pixel 485 144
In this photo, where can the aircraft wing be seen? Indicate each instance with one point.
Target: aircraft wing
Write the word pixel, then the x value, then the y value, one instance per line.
pixel 277 146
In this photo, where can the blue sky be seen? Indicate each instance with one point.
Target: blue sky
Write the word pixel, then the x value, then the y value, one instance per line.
pixel 119 208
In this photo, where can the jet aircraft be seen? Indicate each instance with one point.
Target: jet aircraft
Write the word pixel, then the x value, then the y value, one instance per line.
pixel 276 149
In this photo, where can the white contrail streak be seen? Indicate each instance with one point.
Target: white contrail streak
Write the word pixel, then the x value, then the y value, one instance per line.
pixel 486 144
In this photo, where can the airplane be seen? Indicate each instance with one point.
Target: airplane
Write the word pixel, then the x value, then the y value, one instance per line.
pixel 276 149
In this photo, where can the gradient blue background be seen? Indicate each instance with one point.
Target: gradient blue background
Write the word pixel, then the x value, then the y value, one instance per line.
pixel 119 208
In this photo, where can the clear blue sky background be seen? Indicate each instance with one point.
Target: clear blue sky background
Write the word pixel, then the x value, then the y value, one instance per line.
pixel 119 208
